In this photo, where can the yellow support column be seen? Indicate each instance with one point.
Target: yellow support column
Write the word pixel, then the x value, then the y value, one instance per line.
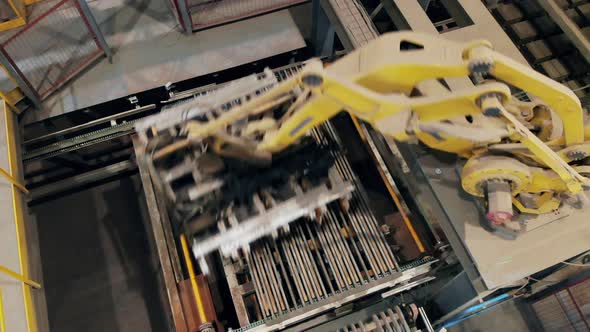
pixel 195 286
pixel 16 199
pixel 2 321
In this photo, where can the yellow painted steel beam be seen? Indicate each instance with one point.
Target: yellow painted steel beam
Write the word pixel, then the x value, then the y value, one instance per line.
pixel 195 286
pixel 2 319
pixel 13 181
pixel 19 8
pixel 18 208
pixel 19 277
pixel 15 23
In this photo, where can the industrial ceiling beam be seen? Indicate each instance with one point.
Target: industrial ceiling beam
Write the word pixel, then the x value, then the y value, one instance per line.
pixel 569 27
pixel 395 15
pixel 323 33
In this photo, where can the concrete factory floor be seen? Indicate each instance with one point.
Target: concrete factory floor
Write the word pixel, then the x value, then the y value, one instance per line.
pixel 97 272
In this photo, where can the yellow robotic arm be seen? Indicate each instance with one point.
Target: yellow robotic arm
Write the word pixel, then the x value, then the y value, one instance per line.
pixel 393 83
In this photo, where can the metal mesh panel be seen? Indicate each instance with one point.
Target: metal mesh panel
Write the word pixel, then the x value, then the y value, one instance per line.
pixel 551 315
pixel 581 294
pixel 53 47
pixel 566 310
pixel 208 13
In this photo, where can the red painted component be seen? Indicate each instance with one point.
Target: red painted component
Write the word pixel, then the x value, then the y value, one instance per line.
pixel 499 217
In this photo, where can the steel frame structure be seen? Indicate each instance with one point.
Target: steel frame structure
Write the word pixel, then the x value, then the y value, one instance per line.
pixel 22 80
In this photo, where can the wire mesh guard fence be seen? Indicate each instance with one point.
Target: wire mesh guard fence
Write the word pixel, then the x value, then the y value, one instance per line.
pixel 207 13
pixel 175 7
pixel 565 310
pixel 53 47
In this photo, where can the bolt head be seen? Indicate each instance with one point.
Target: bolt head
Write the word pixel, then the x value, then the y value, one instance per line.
pixel 312 80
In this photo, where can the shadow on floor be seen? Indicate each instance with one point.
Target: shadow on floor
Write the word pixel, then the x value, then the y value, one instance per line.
pixel 96 262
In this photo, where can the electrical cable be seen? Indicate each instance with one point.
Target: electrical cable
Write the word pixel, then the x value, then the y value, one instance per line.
pixel 528 281
pixel 585 258
pixel 575 264
pixel 542 280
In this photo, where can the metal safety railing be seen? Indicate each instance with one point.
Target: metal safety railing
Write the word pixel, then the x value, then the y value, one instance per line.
pixel 181 13
pixel 60 40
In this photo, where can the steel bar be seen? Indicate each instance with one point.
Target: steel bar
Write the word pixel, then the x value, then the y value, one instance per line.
pixel 347 246
pixel 347 173
pixel 284 271
pixel 360 258
pixel 270 270
pixel 235 291
pixel 280 215
pixel 310 261
pixel 301 289
pixel 91 123
pixel 339 257
pixel 374 241
pixel 386 322
pixel 399 313
pixel 263 271
pixel 302 268
pixel 368 222
pixel 19 277
pixel 335 267
pixel 294 272
pixel 339 243
pixel 357 228
pixel 378 325
pixel 277 275
pixel 396 326
pixel 354 263
pixel 425 319
pixel 14 181
pixel 262 297
pixel 319 259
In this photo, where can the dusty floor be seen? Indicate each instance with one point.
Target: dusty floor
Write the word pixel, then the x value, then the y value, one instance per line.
pixel 96 263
